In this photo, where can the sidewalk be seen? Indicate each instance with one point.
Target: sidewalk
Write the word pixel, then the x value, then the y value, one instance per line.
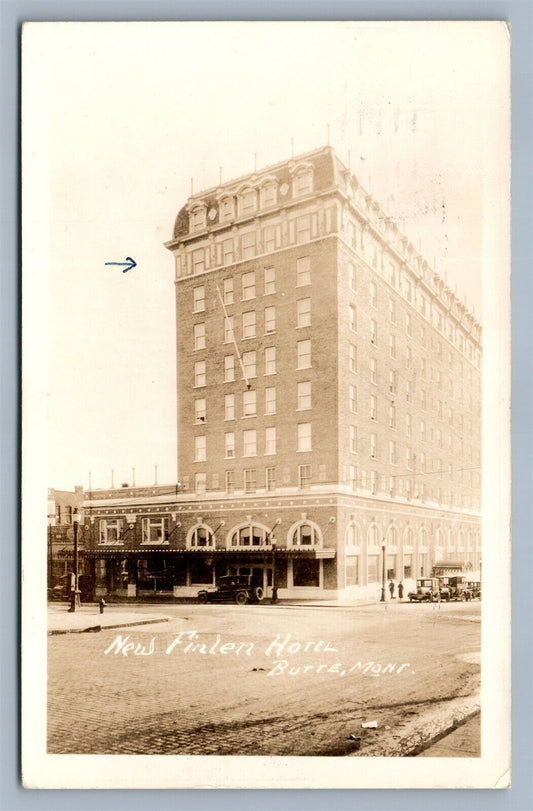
pixel 88 618
pixel 465 741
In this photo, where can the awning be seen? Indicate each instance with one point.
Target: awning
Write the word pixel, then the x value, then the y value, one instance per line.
pixel 120 552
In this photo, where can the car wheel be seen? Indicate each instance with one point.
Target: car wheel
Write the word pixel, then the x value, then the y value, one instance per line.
pixel 259 593
pixel 241 598
pixel 202 597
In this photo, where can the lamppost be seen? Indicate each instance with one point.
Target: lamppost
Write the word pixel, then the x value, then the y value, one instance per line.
pixel 383 572
pixel 75 592
pixel 50 551
pixel 274 586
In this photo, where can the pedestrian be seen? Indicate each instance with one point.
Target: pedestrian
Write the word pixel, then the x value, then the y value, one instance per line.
pixel 400 590
pixel 391 589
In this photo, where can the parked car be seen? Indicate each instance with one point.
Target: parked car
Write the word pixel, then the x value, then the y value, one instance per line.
pixel 239 589
pixel 427 589
pixel 475 589
pixel 459 588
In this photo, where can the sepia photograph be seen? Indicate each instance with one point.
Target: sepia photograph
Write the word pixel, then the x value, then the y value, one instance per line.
pixel 265 462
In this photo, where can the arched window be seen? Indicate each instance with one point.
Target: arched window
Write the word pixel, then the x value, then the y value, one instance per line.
pixel 268 193
pixel 392 536
pixel 304 533
pixel 248 535
pixel 423 537
pixel 247 201
pixel 200 537
pixel 373 535
pixel 440 538
pixel 408 537
pixel 197 218
pixel 352 535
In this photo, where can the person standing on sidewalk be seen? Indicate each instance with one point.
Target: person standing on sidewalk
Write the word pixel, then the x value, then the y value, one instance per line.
pixel 400 590
pixel 391 589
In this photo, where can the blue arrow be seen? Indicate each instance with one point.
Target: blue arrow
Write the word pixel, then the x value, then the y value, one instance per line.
pixel 129 264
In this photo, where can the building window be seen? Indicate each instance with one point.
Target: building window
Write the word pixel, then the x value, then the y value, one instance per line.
pixel 230 481
pixel 393 381
pixel 249 404
pixel 270 400
pixel 373 331
pixel 270 281
pixel 155 530
pixel 269 238
pixel 304 395
pixel 409 357
pixel 392 346
pixel 352 279
pixel 229 445
pixel 373 445
pixel 303 229
pixel 303 312
pixel 248 285
pixel 228 291
pixel 249 364
pixel 227 208
pixel 352 314
pixel 270 441
pixel 199 374
pixel 353 358
pixel 373 482
pixel 392 311
pixel 423 401
pixel 304 476
pixel 373 370
pixel 250 535
pixel 199 336
pixel 409 391
pixel 304 354
pixel 351 570
pixel 305 534
pixel 248 325
pixel 305 573
pixel 270 360
pixel 304 436
pixel 270 478
pixel 199 299
pixel 229 369
pixel 247 201
pixel 408 425
pixel 197 219
pixel 352 398
pixel 199 410
pixel 110 531
pixel 268 195
pixel 392 453
pixel 198 261
pixel 200 537
pixel 409 458
pixel 200 448
pixel 200 483
pixel 302 183
pixel 228 329
pixel 373 407
pixel 250 443
pixel 248 245
pixel 303 271
pixel 250 481
pixel 392 416
pixel 227 256
pixel 423 368
pixel 353 439
pixel 373 294
pixel 409 324
pixel 229 407
pixel 352 477
pixel 270 320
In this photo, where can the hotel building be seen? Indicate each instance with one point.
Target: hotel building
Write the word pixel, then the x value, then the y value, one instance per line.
pixel 329 401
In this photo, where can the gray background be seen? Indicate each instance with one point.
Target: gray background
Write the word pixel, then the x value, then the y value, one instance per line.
pixel 520 15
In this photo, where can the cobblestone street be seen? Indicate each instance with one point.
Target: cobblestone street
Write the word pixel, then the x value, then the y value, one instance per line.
pixel 218 680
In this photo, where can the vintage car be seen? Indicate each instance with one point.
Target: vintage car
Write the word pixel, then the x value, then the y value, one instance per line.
pixel 427 588
pixel 474 588
pixel 459 588
pixel 239 589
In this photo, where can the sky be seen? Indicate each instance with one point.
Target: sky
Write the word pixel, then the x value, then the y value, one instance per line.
pixel 126 116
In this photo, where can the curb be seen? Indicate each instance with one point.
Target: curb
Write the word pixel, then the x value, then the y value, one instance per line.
pixel 96 628
pixel 423 732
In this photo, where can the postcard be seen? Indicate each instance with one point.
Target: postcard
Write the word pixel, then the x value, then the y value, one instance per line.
pixel 266 387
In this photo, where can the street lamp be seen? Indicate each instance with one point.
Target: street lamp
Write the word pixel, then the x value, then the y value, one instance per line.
pixel 383 572
pixel 75 592
pixel 274 587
